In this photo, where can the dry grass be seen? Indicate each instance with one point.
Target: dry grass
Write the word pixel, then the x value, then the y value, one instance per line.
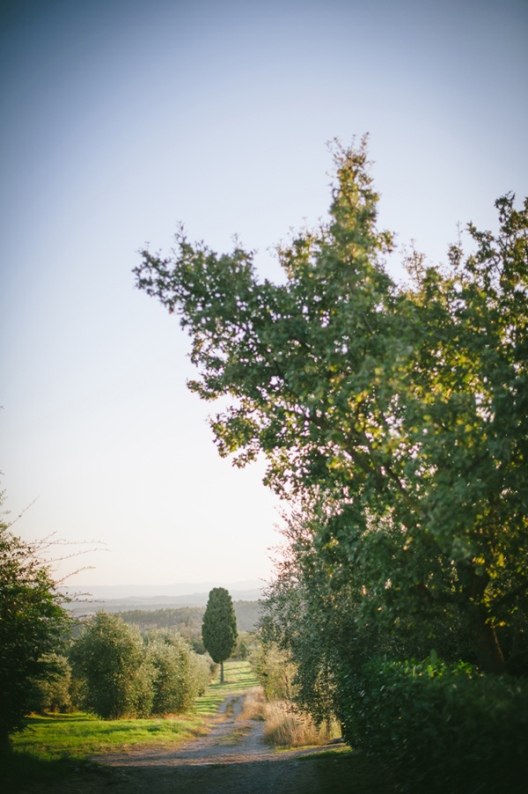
pixel 254 705
pixel 287 727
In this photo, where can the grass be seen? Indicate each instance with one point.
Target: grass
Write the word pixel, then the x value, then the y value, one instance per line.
pixel 287 727
pixel 81 735
pixel 239 677
pixel 53 746
pixel 253 706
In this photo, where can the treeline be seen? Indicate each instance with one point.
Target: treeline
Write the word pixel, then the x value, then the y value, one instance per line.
pixel 188 620
pixel 394 419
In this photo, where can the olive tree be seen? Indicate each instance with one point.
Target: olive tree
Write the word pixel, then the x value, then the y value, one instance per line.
pixel 179 674
pixel 109 657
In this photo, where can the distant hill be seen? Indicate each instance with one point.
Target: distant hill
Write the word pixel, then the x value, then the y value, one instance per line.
pixel 185 620
pixel 125 598
pixel 188 620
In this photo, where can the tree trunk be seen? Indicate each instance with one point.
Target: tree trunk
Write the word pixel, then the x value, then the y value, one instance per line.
pixel 221 672
pixel 489 653
pixel 488 650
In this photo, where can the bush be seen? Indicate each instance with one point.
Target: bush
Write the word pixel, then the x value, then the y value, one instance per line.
pixel 438 727
pixel 275 671
pixel 52 692
pixel 179 674
pixel 109 657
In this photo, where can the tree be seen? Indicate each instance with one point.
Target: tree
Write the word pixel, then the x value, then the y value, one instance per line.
pixel 180 675
pixel 331 618
pixel 109 656
pixel 219 627
pixel 53 692
pixel 32 624
pixel 403 408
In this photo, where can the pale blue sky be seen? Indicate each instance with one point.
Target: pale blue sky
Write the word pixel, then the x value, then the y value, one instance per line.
pixel 123 117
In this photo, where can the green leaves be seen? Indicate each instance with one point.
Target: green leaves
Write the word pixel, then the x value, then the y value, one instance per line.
pixel 219 629
pixel 32 624
pixel 409 402
pixel 439 727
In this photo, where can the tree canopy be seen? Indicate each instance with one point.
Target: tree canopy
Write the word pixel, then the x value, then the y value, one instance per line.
pixel 32 626
pixel 402 408
pixel 219 627
pixel 109 657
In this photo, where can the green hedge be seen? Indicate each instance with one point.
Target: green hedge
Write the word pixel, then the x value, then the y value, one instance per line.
pixel 440 728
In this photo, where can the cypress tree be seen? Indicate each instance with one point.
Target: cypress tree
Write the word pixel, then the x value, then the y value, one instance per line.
pixel 219 628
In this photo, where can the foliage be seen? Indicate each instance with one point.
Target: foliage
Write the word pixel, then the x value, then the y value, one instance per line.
pixel 275 671
pixel 330 618
pixel 245 644
pixel 123 674
pixel 179 674
pixel 188 620
pixel 53 688
pixel 402 408
pixel 32 624
pixel 109 656
pixel 219 627
pixel 440 727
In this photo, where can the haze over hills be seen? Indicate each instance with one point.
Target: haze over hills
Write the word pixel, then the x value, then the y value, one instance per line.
pixel 119 598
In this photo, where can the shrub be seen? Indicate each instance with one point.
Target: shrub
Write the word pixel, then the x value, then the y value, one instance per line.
pixel 109 657
pixel 438 727
pixel 52 692
pixel 275 671
pixel 179 674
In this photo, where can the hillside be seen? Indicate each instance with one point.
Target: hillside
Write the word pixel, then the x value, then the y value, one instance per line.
pixel 186 620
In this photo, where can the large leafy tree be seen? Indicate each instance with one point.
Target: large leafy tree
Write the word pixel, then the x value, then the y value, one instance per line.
pixel 404 408
pixel 32 626
pixel 219 627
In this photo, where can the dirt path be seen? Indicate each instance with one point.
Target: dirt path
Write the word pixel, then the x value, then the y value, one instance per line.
pixel 231 759
pixel 230 740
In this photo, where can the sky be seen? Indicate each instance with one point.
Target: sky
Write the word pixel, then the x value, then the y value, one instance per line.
pixel 122 118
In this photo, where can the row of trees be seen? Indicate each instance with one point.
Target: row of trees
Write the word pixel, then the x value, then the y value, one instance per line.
pixel 122 673
pixel 394 419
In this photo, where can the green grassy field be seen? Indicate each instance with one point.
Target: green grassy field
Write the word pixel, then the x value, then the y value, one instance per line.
pixel 239 677
pixel 52 745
